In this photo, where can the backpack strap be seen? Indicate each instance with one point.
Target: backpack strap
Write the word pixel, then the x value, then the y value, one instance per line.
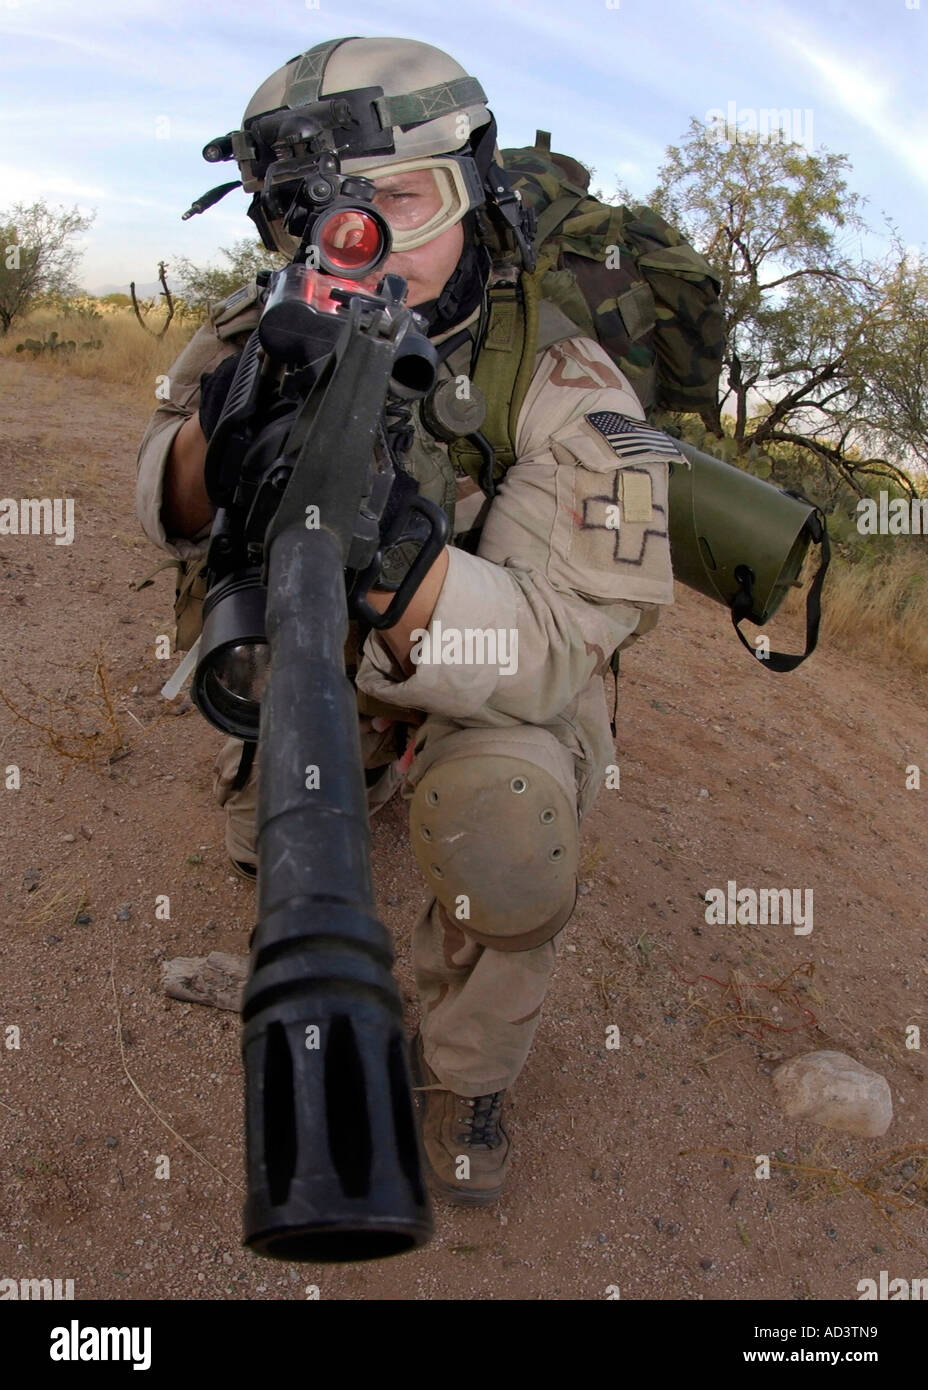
pixel 503 372
pixel 520 325
pixel 556 213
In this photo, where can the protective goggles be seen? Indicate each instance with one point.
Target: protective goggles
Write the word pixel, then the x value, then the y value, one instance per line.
pixel 421 198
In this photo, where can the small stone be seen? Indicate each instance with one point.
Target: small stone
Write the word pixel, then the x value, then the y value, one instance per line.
pixel 124 912
pixel 834 1090
pixel 703 791
pixel 69 839
pixel 111 1141
pixel 707 1263
pixel 52 940
pixel 83 919
pixel 583 888
pixel 86 832
pixel 571 948
pixel 595 1174
pixel 637 1040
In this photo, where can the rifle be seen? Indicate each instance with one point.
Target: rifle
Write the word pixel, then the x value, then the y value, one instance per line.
pixel 302 465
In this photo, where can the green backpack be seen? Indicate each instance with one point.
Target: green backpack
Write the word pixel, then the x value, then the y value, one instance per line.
pixel 628 279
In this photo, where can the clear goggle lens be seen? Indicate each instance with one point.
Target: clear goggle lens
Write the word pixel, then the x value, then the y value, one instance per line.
pixel 419 198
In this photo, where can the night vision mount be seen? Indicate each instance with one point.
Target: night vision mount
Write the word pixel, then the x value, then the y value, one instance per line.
pixel 277 150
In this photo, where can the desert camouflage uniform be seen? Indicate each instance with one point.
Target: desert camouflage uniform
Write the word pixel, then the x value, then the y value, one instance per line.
pixel 503 767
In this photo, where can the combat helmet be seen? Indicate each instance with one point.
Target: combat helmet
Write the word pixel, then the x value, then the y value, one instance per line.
pixel 424 112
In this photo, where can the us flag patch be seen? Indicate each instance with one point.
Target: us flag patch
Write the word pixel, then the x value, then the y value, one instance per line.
pixel 629 438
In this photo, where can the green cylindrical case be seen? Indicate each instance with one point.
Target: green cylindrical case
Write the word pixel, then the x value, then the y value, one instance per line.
pixel 722 518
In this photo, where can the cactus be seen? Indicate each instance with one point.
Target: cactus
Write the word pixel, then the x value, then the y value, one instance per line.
pixel 55 346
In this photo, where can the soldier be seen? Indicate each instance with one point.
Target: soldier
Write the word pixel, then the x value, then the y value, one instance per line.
pixel 498 765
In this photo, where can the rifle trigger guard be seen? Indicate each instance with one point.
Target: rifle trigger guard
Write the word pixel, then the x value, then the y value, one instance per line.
pixel 432 547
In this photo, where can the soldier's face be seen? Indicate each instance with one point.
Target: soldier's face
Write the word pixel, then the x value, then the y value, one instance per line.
pixel 406 200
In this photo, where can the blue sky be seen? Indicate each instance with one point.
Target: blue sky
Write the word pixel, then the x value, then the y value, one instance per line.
pixel 107 105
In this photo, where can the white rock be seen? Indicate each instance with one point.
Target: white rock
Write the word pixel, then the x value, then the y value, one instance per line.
pixel 834 1090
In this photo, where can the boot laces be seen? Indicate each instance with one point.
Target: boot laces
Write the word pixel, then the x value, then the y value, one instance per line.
pixel 481 1120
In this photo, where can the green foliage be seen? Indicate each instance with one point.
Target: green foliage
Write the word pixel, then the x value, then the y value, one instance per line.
pixel 117 298
pixel 826 351
pixel 205 285
pixel 36 256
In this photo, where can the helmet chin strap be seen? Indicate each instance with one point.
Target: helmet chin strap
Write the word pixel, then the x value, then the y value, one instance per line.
pixel 465 286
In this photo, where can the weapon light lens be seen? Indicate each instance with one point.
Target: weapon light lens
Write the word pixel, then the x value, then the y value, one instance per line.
pixel 243 670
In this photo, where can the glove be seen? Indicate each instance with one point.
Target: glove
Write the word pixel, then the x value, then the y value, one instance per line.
pixel 214 388
pixel 404 486
pixel 401 537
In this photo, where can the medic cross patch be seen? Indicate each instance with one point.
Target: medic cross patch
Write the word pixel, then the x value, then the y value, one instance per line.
pixel 619 516
pixel 630 438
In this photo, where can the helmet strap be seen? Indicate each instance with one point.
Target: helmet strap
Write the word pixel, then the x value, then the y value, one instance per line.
pixel 464 289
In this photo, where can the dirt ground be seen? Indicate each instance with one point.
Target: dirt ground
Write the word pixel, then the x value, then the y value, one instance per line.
pixel 633 1166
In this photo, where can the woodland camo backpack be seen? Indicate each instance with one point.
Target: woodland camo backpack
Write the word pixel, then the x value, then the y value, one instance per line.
pixel 627 278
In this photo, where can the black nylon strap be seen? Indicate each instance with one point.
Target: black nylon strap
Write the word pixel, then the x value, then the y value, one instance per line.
pixel 245 764
pixel 743 602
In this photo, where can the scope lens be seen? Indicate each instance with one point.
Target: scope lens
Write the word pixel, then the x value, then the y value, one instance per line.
pixel 350 239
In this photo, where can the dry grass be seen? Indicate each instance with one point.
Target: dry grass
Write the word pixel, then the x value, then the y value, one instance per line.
pixel 895 1183
pixel 880 607
pixel 129 356
pixel 877 609
pixel 85 725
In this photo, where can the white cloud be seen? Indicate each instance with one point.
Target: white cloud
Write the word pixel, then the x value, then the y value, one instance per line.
pixel 873 104
pixel 26 185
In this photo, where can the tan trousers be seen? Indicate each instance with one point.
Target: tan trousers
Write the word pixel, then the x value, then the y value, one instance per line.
pixel 480 1007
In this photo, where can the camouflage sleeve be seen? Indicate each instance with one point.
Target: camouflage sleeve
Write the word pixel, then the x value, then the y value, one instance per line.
pixel 573 552
pixel 222 335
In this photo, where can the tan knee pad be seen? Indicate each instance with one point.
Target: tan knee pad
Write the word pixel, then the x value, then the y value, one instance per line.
pixel 501 832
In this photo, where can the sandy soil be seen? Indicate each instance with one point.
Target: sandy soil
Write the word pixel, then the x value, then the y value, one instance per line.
pixel 633 1166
